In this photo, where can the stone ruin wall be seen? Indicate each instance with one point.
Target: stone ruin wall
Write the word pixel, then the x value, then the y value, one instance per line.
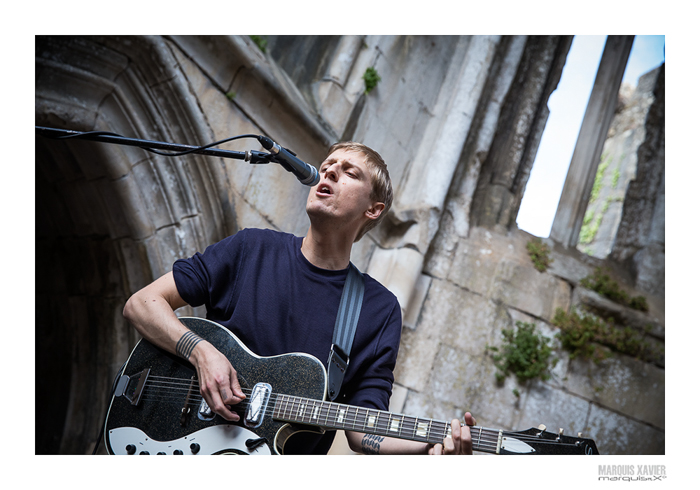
pixel 458 120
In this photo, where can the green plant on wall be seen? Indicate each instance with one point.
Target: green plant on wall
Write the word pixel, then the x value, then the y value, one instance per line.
pixel 588 336
pixel 539 253
pixel 260 42
pixel 605 161
pixel 603 284
pixel 371 78
pixel 590 226
pixel 524 353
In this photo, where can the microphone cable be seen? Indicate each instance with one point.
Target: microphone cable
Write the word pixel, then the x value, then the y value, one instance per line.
pixel 159 152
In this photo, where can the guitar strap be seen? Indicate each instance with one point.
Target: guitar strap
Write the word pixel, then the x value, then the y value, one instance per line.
pixel 345 326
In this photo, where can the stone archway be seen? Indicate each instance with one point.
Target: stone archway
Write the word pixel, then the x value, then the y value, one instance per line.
pixel 109 219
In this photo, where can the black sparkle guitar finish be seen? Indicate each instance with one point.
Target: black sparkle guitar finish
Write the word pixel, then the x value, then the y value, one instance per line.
pixel 157 408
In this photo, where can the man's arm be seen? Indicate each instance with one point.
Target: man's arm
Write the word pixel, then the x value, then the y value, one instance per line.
pixel 459 443
pixel 152 312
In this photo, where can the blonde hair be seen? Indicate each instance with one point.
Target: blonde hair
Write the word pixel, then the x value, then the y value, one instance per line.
pixel 382 190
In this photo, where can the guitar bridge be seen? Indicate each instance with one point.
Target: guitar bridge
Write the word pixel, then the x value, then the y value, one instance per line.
pixel 258 403
pixel 132 386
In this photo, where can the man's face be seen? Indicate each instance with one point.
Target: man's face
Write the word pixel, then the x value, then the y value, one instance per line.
pixel 344 190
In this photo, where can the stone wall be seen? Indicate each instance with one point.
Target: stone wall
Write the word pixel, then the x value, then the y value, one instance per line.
pixel 458 119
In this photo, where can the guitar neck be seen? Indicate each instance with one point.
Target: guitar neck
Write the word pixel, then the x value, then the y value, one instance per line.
pixel 329 415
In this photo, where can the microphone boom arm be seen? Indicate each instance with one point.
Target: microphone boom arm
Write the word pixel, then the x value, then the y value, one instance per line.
pixel 104 137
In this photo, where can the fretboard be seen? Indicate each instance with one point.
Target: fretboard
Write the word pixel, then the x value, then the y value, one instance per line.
pixel 331 415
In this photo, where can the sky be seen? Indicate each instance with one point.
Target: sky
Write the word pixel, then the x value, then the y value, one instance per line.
pixel 567 105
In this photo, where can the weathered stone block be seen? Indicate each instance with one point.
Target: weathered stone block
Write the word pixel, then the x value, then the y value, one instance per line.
pixel 278 196
pixel 154 198
pixel 131 202
pixel 454 376
pixel 249 217
pixel 116 109
pixel 398 398
pixel 554 408
pixel 416 356
pixel 336 106
pixel 398 269
pixel 567 264
pixel 622 315
pixel 617 434
pixel 525 288
pixel 461 318
pixel 486 398
pixel 623 384
pixel 474 267
pixel 424 405
pixel 420 292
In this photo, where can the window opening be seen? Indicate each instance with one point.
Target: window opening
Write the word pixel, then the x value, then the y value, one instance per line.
pixel 567 106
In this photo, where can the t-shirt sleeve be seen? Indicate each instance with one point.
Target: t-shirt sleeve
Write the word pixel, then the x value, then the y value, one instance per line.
pixel 202 278
pixel 373 386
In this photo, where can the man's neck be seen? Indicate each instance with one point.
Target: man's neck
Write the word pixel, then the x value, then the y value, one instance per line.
pixel 326 251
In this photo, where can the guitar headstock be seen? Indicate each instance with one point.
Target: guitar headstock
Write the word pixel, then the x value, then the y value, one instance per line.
pixel 539 441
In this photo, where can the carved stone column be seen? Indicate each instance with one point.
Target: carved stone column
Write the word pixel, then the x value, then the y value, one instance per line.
pixel 596 121
pixel 521 124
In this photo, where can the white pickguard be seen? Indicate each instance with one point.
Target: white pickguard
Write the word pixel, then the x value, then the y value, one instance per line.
pixel 211 440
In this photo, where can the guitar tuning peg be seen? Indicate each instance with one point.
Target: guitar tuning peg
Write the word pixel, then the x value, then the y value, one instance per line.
pixel 542 427
pixel 580 435
pixel 561 431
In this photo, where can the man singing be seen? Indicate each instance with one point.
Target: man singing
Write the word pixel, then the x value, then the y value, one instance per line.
pixel 279 293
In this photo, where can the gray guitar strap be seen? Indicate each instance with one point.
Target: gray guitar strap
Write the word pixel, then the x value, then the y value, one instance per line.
pixel 344 333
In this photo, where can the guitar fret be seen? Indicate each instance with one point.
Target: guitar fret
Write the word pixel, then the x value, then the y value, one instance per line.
pixel 406 431
pixel 385 423
pixel 370 421
pixel 394 425
pixel 290 407
pixel 422 429
pixel 284 408
pixel 354 422
pixel 328 409
pixel 333 415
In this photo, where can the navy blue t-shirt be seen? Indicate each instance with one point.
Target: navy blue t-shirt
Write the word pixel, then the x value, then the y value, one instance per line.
pixel 258 284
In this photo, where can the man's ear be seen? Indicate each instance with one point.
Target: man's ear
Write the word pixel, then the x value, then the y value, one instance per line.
pixel 375 211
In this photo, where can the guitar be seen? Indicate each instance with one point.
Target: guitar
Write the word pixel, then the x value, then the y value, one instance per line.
pixel 157 408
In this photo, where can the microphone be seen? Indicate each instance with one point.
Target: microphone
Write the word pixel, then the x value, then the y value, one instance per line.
pixel 305 173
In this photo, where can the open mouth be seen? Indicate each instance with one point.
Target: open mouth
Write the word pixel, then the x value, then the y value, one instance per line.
pixel 324 189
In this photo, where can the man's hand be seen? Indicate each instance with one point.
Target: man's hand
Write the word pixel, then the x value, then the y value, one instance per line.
pixel 218 381
pixel 461 440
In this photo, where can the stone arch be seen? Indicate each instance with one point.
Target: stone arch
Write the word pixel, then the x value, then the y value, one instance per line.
pixel 109 218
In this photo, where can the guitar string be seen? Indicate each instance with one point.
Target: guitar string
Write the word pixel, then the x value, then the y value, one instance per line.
pixel 485 438
pixel 183 386
pixel 196 399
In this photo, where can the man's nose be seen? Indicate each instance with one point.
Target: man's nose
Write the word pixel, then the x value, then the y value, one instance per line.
pixel 331 173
